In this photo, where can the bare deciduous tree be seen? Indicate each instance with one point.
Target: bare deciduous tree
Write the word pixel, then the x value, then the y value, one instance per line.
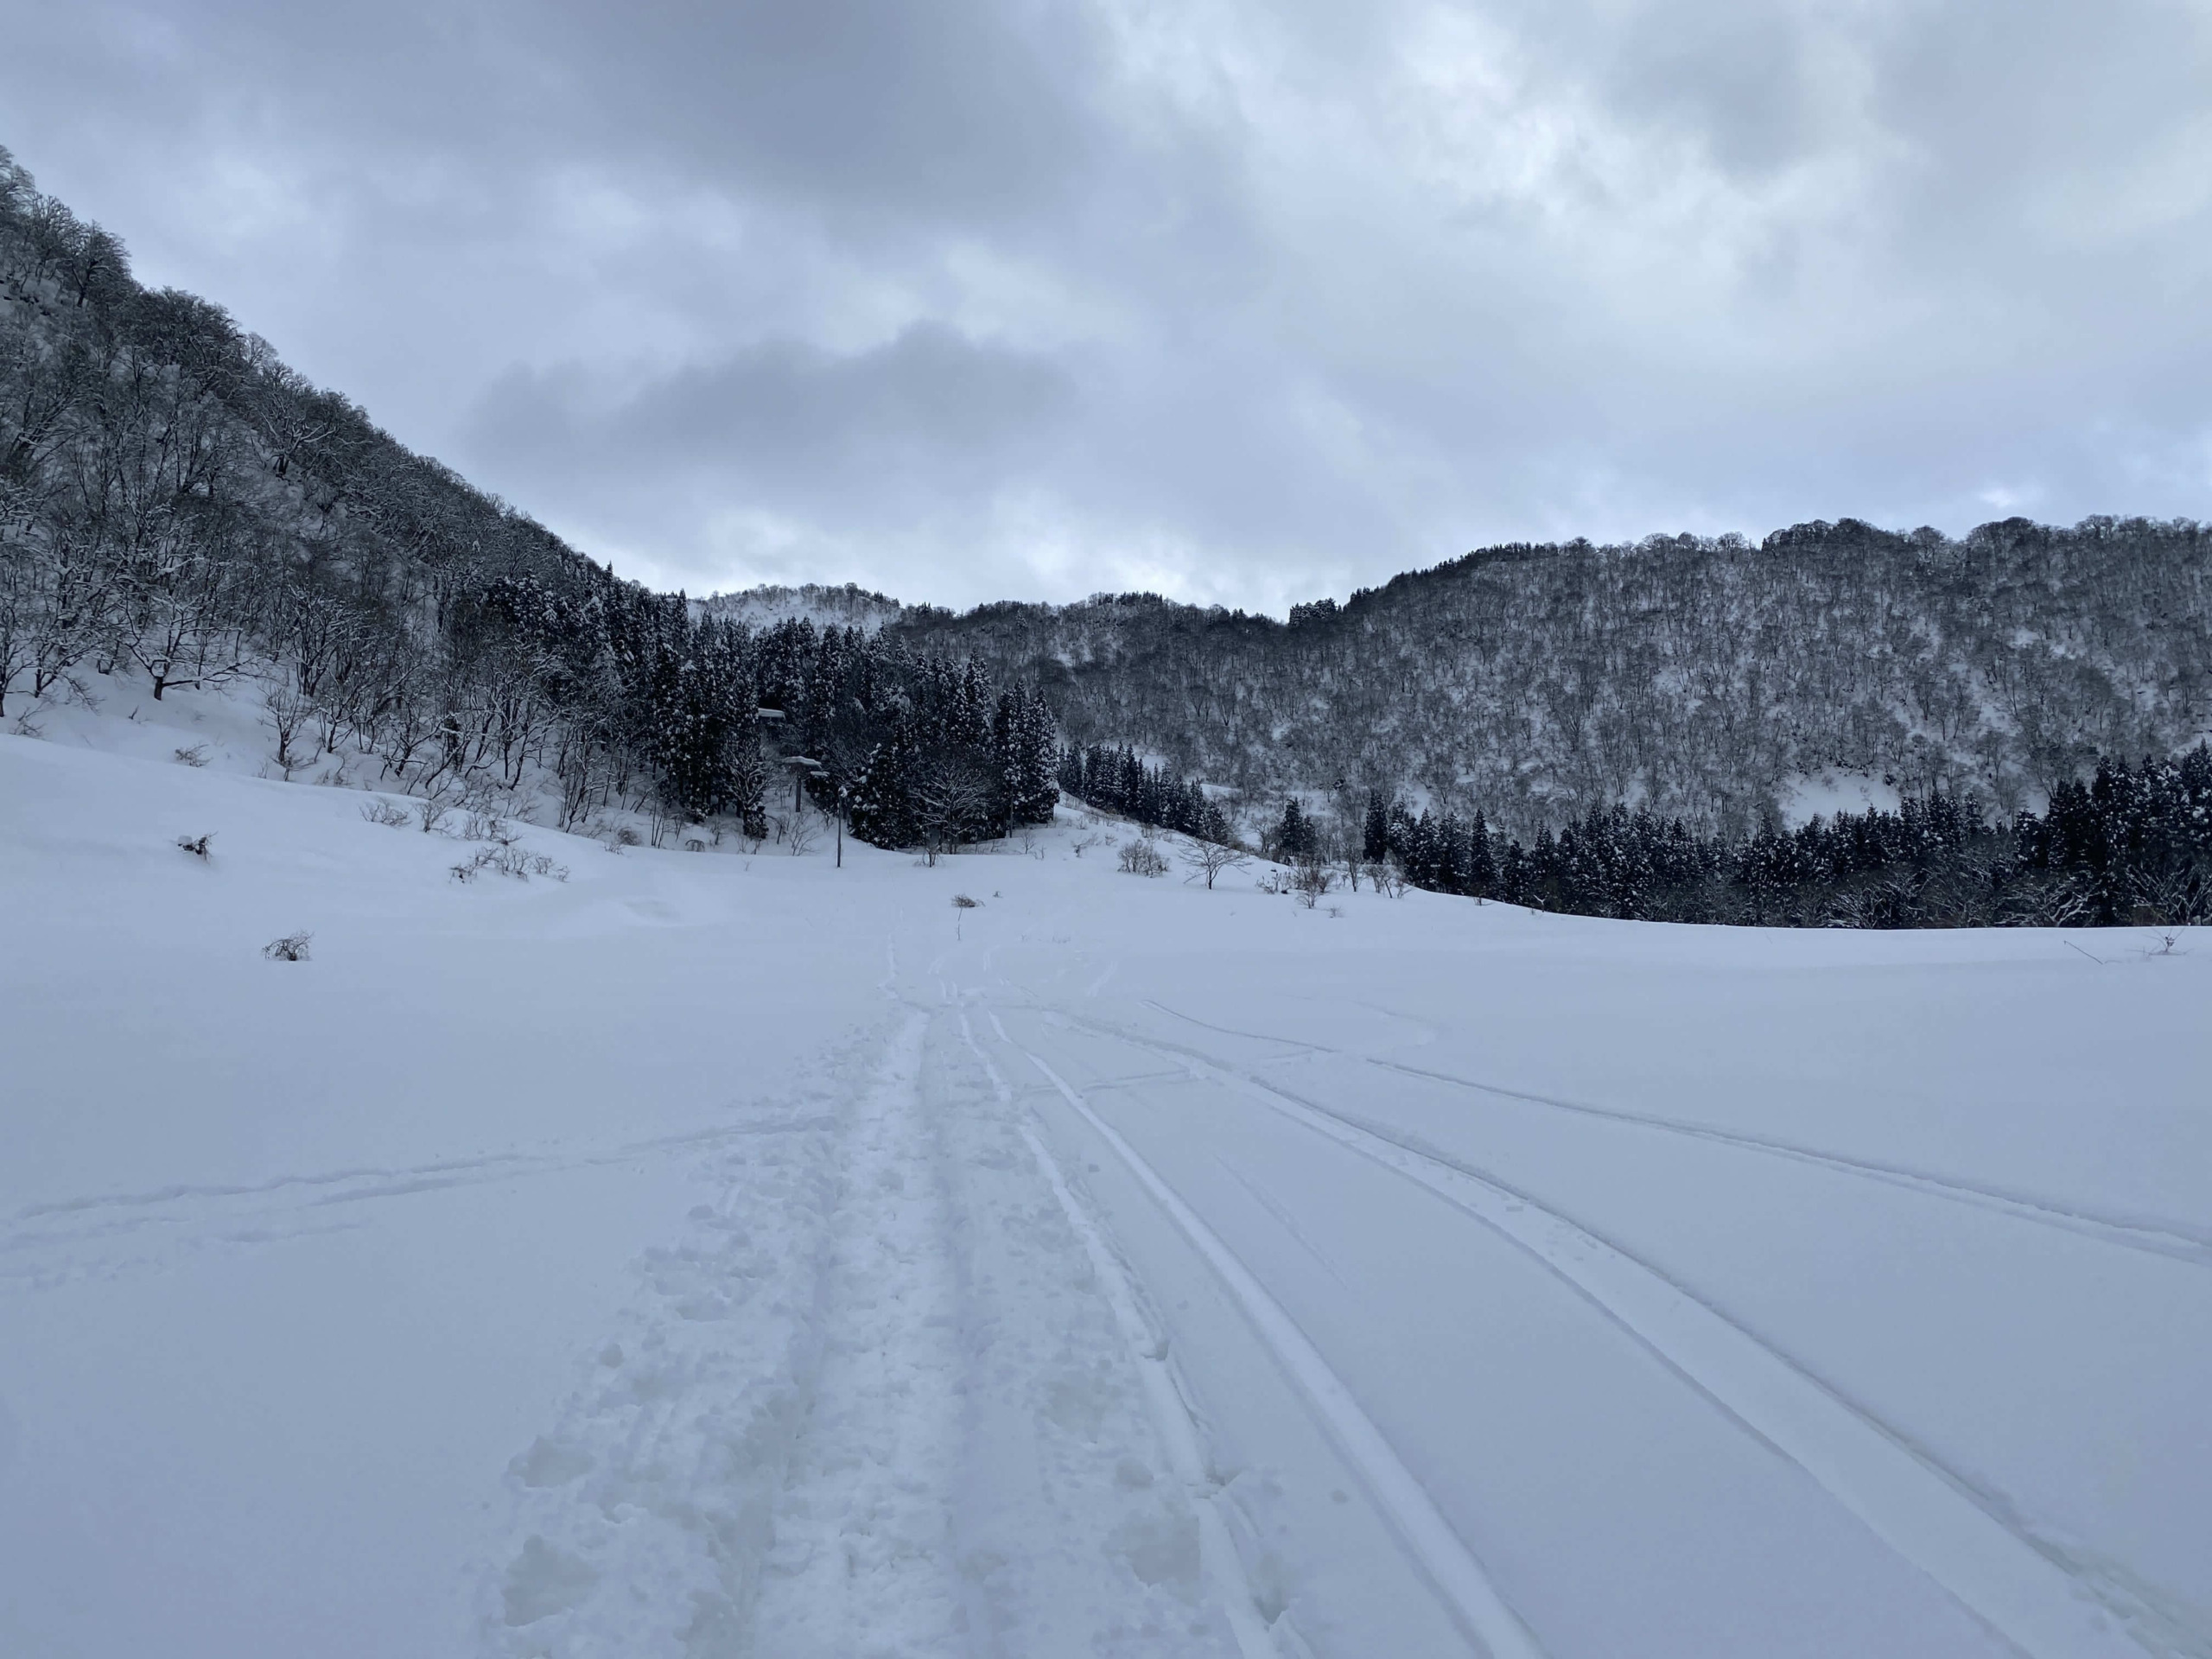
pixel 1211 858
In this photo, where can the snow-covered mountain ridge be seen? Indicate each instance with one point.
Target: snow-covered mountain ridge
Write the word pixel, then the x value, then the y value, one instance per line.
pixel 1713 679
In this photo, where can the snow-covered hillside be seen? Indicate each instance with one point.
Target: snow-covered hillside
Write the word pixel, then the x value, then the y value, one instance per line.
pixel 763 607
pixel 705 1254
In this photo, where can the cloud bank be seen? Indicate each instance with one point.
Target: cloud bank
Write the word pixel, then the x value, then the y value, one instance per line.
pixel 1243 303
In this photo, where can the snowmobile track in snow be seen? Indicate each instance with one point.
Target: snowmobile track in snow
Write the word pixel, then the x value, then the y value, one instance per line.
pixel 2022 1586
pixel 2154 1237
pixel 1165 1404
pixel 2153 1234
pixel 1420 1527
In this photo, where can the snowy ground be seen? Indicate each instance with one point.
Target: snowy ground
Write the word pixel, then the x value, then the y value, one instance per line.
pixel 712 1256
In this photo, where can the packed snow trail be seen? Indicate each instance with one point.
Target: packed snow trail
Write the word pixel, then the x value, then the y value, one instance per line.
pixel 863 1554
pixel 950 1453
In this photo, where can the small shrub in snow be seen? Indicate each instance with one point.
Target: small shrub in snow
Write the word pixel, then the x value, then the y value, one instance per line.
pixel 195 845
pixel 293 947
pixel 24 727
pixel 962 901
pixel 386 813
pixel 1310 881
pixel 1141 858
pixel 193 754
pixel 506 858
pixel 431 814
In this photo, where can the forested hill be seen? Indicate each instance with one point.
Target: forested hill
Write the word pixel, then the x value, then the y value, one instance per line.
pixel 1697 676
pixel 178 505
pixel 178 509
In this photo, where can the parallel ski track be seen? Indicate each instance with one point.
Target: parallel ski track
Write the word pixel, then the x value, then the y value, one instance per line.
pixel 1421 1528
pixel 2023 1585
pixel 1164 1401
pixel 137 1231
pixel 2154 1235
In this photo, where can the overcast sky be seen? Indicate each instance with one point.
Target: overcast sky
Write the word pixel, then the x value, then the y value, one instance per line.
pixel 1244 303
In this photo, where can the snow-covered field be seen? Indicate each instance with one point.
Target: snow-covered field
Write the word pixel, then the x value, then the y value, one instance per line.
pixel 718 1255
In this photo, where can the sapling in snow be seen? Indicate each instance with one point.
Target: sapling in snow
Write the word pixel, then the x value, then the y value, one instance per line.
pixel 1211 858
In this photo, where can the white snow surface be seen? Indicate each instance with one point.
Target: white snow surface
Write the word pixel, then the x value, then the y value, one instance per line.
pixel 715 1256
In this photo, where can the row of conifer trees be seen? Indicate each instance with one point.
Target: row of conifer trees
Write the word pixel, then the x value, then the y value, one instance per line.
pixel 1118 780
pixel 2133 846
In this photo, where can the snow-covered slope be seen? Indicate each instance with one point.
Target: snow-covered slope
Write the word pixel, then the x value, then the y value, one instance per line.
pixel 763 607
pixel 705 1254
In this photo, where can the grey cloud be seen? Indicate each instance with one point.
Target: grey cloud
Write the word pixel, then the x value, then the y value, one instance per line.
pixel 968 112
pixel 926 412
pixel 1246 301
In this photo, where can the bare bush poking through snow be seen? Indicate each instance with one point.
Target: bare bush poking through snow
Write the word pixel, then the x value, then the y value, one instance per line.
pixel 488 826
pixel 384 812
pixel 962 901
pixel 1310 881
pixel 1142 858
pixel 432 813
pixel 508 859
pixel 195 845
pixel 293 947
pixel 192 754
